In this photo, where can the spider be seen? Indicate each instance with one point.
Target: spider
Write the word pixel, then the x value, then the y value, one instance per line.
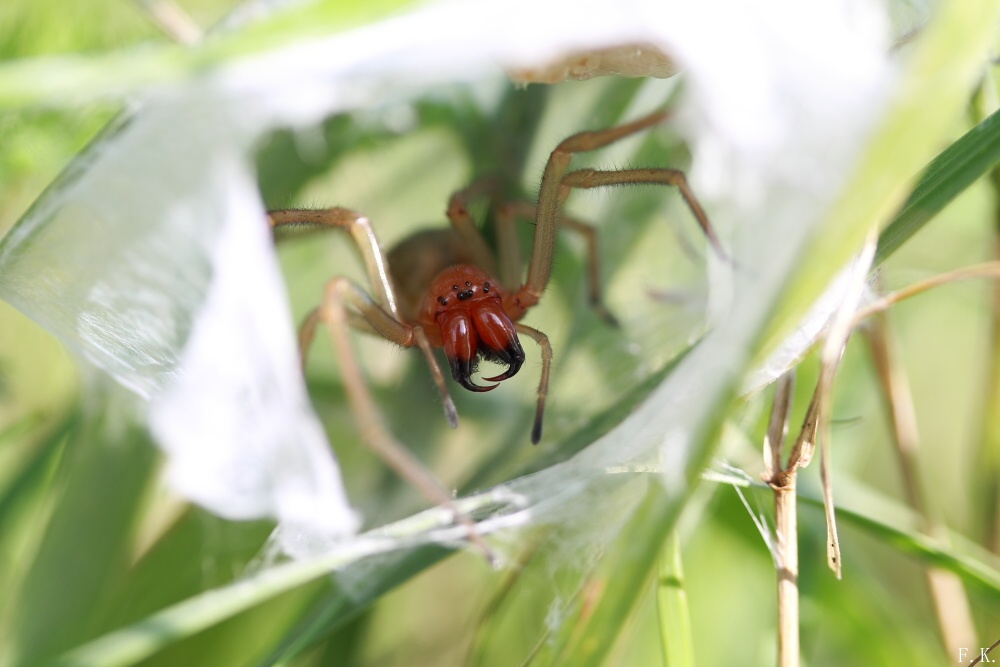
pixel 445 288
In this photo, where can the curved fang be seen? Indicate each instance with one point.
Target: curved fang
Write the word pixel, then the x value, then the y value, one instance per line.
pixel 499 338
pixel 463 375
pixel 460 346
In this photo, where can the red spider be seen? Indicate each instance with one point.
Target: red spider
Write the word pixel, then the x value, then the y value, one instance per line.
pixel 445 288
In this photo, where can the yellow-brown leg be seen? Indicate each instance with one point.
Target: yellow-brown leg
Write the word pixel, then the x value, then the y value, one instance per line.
pixel 543 383
pixel 340 293
pixel 420 339
pixel 379 317
pixel 506 215
pixel 550 198
pixel 307 331
pixel 593 178
pixel 365 315
pixel 508 249
pixel 465 227
pixel 364 237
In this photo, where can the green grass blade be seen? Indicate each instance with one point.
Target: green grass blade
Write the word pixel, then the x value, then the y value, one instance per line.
pixel 973 570
pixel 97 492
pixel 610 595
pixel 378 572
pixel 944 68
pixel 35 465
pixel 672 607
pixel 66 80
pixel 976 567
pixel 947 176
pixel 25 510
pixel 330 612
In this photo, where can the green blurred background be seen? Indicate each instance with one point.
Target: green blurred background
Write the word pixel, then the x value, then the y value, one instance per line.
pixel 399 166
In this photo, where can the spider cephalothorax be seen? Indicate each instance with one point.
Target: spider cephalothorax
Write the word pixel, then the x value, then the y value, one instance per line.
pixel 466 307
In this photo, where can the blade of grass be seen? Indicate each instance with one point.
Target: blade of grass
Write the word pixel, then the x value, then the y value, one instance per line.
pixel 69 79
pixel 987 101
pixel 488 633
pixel 974 566
pixel 945 177
pixel 950 602
pixel 588 635
pixel 936 84
pixel 672 607
pixel 330 612
pixel 24 515
pixel 932 552
pixel 97 493
pixel 173 624
pixel 187 618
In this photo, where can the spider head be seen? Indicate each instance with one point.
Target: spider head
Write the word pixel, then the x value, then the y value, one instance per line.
pixel 468 309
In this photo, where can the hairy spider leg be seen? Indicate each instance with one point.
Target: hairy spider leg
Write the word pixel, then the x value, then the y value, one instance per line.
pixel 508 248
pixel 372 317
pixel 364 238
pixel 543 384
pixel 506 217
pixel 465 227
pixel 380 317
pixel 338 294
pixel 594 178
pixel 549 199
pixel 556 184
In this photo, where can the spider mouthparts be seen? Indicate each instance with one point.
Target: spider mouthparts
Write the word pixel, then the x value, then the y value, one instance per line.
pixel 472 386
pixel 512 355
pixel 510 372
pixel 461 370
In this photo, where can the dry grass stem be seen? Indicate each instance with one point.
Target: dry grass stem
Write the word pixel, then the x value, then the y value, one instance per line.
pixel 786 529
pixel 833 350
pixel 782 479
pixel 984 655
pixel 990 447
pixel 991 435
pixel 785 551
pixel 805 442
pixel 951 605
pixel 984 270
pixel 777 426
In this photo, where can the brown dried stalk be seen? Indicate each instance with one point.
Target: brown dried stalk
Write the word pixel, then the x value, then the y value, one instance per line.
pixel 948 597
pixel 786 550
pixel 815 428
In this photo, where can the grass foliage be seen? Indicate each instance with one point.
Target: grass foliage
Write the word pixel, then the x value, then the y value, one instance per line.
pixel 100 566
